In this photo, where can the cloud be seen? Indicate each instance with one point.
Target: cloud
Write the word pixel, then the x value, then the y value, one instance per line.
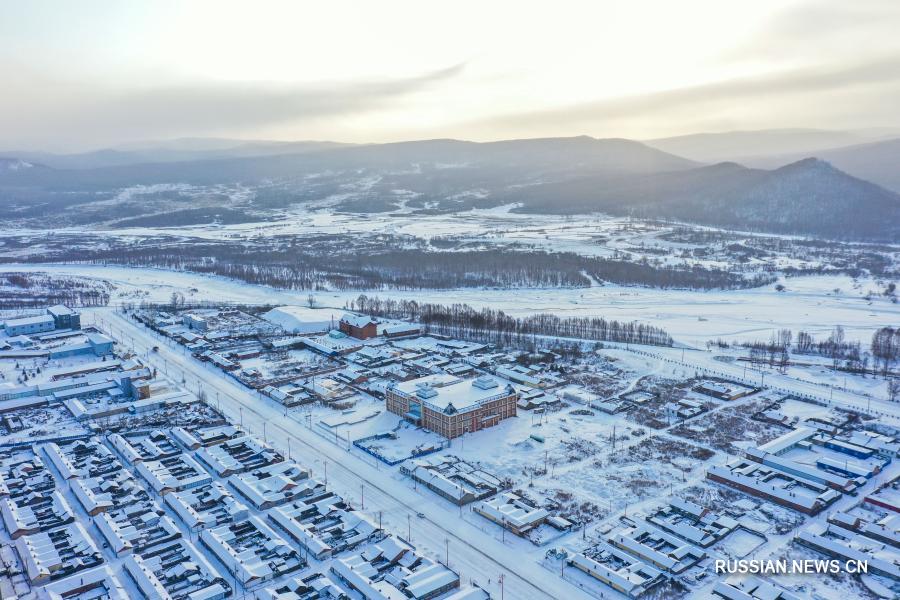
pixel 830 28
pixel 783 94
pixel 83 113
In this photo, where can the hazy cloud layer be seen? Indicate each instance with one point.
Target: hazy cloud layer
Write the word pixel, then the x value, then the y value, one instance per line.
pixel 786 97
pixel 65 112
pixel 103 72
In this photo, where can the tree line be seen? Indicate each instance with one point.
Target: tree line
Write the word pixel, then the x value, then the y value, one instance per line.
pixel 38 290
pixel 464 321
pixel 880 357
pixel 386 262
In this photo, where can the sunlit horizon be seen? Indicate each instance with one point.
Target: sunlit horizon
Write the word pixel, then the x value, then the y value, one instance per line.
pixel 103 73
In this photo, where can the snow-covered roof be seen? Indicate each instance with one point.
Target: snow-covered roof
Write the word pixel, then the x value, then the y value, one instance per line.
pixel 788 440
pixel 426 581
pixel 70 547
pixel 237 455
pixel 185 571
pixel 60 310
pixel 206 505
pixel 37 320
pixel 229 543
pixel 299 319
pixel 508 508
pixel 272 485
pixel 645 542
pixel 443 391
pixel 100 581
pixel 355 320
pixel 28 518
pixel 400 328
pixel 176 473
pixel 633 576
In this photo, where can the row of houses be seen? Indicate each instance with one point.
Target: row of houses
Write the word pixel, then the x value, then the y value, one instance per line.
pixel 262 528
pixel 392 570
pixel 271 518
pixel 94 390
pixel 425 380
pixel 452 478
pixel 804 470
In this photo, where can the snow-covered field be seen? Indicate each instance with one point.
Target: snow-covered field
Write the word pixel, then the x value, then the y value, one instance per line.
pixel 600 469
pixel 691 317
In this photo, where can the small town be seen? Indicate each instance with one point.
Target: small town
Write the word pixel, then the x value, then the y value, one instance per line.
pixel 130 466
pixel 354 300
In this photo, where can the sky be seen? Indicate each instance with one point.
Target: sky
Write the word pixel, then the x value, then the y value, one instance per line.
pixel 100 73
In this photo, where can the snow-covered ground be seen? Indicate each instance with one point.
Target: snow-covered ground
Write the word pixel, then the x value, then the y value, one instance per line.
pixel 604 466
pixel 599 465
pixel 691 317
pixel 353 474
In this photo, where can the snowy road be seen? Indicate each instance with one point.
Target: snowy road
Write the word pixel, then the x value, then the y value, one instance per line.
pixel 472 552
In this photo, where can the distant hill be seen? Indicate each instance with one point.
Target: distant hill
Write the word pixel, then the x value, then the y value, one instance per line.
pixel 808 197
pixel 873 155
pixel 185 150
pixel 552 175
pixel 531 157
pixel 878 162
pixel 736 146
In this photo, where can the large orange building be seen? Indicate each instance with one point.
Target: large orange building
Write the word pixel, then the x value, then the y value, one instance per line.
pixel 450 406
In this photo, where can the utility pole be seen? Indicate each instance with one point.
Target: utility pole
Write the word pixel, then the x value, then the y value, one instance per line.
pixel 447 554
pixel 408 528
pixel 241 409
pixel 362 496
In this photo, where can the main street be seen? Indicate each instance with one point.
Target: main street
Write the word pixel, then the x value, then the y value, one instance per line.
pixel 475 554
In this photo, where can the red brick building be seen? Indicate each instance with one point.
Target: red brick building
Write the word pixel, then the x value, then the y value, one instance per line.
pixel 358 326
pixel 451 407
